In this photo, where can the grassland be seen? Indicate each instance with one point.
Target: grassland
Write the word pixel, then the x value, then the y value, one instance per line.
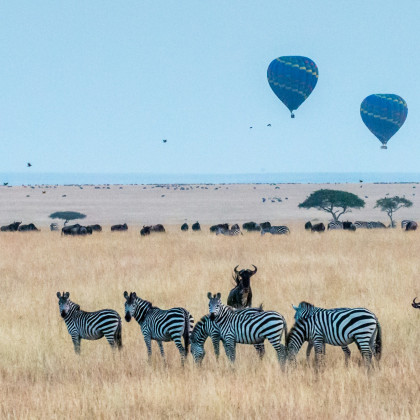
pixel 41 377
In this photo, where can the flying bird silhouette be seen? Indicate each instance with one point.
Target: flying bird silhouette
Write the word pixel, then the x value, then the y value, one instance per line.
pixel 29 164
pixel 268 125
pixel 164 140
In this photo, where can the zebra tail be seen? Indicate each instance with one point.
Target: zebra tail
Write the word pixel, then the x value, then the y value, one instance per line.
pixel 186 331
pixel 378 343
pixel 118 335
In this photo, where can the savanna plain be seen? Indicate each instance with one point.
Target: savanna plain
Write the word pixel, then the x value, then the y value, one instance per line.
pixel 42 377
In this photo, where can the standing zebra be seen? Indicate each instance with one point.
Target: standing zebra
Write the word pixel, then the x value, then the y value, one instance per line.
pixel 159 324
pixel 89 325
pixel 242 327
pixel 275 230
pixel 233 231
pixel 207 328
pixel 338 327
pixel 361 225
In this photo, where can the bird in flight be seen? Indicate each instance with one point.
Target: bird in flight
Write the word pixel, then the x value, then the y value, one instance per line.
pixel 29 164
pixel 164 140
pixel 250 127
pixel 268 125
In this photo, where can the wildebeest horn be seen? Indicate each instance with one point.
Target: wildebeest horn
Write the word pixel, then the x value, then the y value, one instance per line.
pixel 255 270
pixel 416 304
pixel 236 269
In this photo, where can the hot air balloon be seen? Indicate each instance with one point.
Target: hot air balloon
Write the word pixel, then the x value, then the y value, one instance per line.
pixel 383 115
pixel 292 79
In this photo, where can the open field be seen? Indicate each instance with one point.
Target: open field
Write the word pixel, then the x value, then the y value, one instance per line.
pixel 41 377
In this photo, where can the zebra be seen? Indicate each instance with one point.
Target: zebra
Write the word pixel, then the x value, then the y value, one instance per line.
pixel 159 324
pixel 337 225
pixel 305 310
pixel 361 225
pixel 276 230
pixel 233 231
pixel 240 327
pixel 89 325
pixel 376 225
pixel 207 328
pixel 338 327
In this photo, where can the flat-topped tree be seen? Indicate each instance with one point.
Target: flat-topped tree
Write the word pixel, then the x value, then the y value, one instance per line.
pixel 335 202
pixel 67 216
pixel 392 204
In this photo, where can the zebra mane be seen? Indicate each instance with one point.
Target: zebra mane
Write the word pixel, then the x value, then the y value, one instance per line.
pixel 297 324
pixel 306 304
pixel 75 305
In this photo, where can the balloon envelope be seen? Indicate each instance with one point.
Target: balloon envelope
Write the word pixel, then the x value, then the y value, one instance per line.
pixel 292 79
pixel 383 115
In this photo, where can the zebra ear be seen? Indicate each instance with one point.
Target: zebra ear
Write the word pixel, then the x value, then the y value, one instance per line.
pixel 209 295
pixel 295 307
pixel 126 294
pixel 66 295
pixel 58 295
pixel 134 295
pixel 219 295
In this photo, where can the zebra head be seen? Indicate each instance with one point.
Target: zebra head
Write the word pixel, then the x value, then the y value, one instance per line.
pixel 130 305
pixel 304 310
pixel 63 303
pixel 215 305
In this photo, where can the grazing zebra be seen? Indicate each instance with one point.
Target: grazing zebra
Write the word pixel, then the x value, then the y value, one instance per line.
pixel 207 328
pixel 338 327
pixel 276 230
pixel 160 325
pixel 376 225
pixel 233 231
pixel 89 325
pixel 240 327
pixel 305 310
pixel 361 225
pixel 335 225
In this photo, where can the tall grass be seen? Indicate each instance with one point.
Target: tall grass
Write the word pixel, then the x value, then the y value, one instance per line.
pixel 42 377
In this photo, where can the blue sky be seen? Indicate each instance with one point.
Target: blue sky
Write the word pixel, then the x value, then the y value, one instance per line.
pixel 94 86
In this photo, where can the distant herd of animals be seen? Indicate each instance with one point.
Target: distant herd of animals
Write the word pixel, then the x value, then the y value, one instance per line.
pixel 219 229
pixel 236 322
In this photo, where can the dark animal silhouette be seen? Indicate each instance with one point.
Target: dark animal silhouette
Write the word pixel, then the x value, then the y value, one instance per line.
pixel 119 228
pixel 214 228
pixel 411 226
pixel 13 227
pixel 251 227
pixel 319 227
pixel 308 226
pixel 349 226
pixel 53 226
pixel 145 231
pixel 29 164
pixel 95 228
pixel 196 227
pixel 27 228
pixel 76 230
pixel 241 295
pixel 415 304
pixel 265 225
pixel 157 228
pixel 184 227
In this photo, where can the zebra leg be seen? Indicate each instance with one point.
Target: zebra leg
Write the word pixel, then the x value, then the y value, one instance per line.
pixel 162 352
pixel 260 350
pixel 216 346
pixel 319 347
pixel 230 349
pixel 365 350
pixel 308 350
pixel 76 343
pixel 147 340
pixel 347 354
pixel 181 348
pixel 280 349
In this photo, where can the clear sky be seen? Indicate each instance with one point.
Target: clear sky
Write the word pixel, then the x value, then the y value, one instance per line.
pixel 94 86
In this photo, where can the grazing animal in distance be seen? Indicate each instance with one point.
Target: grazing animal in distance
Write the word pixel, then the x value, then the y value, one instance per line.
pixel 13 227
pixel 119 228
pixel 376 225
pixel 145 231
pixel 159 324
pixel 53 227
pixel 241 295
pixel 411 226
pixel 338 327
pixel 247 328
pixel 196 227
pixel 28 228
pixel 276 230
pixel 319 227
pixel 265 225
pixel 95 228
pixel 157 228
pixel 214 228
pixel 76 230
pixel 415 304
pixel 308 226
pixel 89 325
pixel 184 227
pixel 251 227
pixel 404 223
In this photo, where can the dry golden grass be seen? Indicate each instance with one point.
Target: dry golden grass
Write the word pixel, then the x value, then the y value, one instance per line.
pixel 41 377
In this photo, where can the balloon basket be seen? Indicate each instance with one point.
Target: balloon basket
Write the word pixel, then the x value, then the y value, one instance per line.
pixel 384 147
pixel 292 115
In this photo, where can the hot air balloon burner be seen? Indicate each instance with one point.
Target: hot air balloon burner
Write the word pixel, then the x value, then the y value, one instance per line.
pixel 384 146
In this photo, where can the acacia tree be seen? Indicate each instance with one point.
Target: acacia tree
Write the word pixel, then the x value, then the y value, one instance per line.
pixel 67 215
pixel 392 204
pixel 335 202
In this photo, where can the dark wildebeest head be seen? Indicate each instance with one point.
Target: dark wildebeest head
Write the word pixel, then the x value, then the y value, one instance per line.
pixel 411 226
pixel 265 225
pixel 308 226
pixel 145 231
pixel 184 227
pixel 241 295
pixel 196 226
pixel 415 304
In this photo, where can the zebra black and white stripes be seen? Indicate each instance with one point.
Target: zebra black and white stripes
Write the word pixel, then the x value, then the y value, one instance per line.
pixel 89 325
pixel 276 230
pixel 159 324
pixel 241 327
pixel 338 327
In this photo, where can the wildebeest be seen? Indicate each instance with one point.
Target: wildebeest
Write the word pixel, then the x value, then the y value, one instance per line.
pixel 76 230
pixel 145 231
pixel 13 227
pixel 196 227
pixel 415 304
pixel 95 228
pixel 251 227
pixel 27 228
pixel 119 228
pixel 265 225
pixel 241 295
pixel 184 227
pixel 157 228
pixel 349 226
pixel 319 227
pixel 308 226
pixel 214 228
pixel 411 226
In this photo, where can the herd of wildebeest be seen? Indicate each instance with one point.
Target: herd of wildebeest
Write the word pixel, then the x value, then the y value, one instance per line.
pixel 233 323
pixel 219 229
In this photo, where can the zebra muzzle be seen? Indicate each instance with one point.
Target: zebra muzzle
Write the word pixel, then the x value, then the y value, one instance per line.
pixel 128 316
pixel 63 314
pixel 212 316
